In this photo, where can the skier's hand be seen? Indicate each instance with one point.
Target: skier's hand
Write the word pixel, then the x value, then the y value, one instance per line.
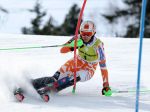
pixel 66 49
pixel 106 91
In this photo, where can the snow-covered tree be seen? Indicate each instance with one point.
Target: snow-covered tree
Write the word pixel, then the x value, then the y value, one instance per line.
pixel 132 14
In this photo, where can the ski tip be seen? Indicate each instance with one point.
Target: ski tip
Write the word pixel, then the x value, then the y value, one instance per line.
pixel 19 97
pixel 45 97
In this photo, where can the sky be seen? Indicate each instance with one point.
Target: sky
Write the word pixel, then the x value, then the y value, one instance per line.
pixel 19 16
pixel 17 66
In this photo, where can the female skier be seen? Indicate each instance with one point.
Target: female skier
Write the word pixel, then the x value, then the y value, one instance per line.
pixel 90 54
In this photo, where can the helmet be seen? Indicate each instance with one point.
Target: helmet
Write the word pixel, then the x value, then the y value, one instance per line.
pixel 87 28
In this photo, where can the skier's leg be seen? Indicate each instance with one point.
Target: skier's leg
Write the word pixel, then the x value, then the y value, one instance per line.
pixel 44 81
pixel 61 79
pixel 64 77
pixel 67 84
pixel 84 72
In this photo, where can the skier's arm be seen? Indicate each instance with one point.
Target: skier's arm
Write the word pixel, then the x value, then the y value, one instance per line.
pixel 102 63
pixel 67 49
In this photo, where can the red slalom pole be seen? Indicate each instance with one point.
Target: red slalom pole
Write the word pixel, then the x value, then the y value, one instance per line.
pixel 75 45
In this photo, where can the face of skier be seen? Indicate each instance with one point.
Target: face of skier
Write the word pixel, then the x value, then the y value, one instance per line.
pixel 86 36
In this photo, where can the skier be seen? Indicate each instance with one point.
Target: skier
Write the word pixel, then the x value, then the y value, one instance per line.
pixel 90 54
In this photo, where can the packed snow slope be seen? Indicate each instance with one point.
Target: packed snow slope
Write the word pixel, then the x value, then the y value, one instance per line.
pixel 17 66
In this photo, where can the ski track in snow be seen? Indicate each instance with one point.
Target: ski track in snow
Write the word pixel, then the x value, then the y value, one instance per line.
pixel 18 66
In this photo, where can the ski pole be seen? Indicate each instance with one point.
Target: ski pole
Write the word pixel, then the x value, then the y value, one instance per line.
pixel 32 47
pixel 130 91
pixel 79 44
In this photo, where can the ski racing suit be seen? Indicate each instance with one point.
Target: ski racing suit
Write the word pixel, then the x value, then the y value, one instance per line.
pixel 89 56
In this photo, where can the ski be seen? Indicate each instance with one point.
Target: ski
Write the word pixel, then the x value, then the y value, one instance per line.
pixel 43 92
pixel 48 88
pixel 45 97
pixel 18 93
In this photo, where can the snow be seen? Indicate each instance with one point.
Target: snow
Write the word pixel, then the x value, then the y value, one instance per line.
pixel 17 66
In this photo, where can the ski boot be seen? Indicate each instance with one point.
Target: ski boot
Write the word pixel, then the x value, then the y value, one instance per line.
pixel 18 93
pixel 43 93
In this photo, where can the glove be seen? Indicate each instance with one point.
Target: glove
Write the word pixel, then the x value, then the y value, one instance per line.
pixel 106 91
pixel 66 49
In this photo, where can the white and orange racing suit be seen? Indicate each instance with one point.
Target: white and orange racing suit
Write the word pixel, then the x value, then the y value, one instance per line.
pixel 89 56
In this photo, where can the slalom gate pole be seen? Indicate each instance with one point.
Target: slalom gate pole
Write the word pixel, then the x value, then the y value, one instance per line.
pixel 75 45
pixel 142 25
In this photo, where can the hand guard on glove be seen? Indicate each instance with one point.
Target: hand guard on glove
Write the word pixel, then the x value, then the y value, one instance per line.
pixel 106 91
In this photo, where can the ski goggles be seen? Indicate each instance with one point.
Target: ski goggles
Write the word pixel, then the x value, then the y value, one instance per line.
pixel 89 34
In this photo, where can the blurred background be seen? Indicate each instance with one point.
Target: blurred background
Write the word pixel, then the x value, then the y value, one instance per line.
pixel 113 18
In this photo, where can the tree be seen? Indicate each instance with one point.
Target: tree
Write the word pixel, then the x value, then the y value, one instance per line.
pixel 133 11
pixel 66 28
pixel 36 22
pixel 48 28
pixel 70 22
pixel 2 12
pixel 3 9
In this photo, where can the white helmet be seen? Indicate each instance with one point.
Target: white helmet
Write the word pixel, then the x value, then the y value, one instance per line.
pixel 87 28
